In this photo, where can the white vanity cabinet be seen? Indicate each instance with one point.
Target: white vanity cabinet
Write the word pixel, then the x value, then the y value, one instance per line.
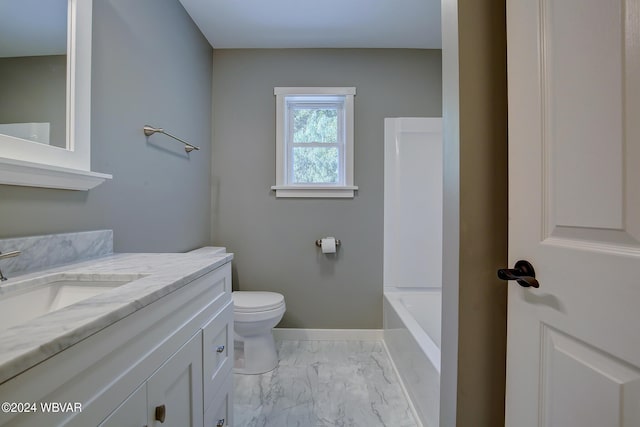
pixel 195 381
pixel 171 360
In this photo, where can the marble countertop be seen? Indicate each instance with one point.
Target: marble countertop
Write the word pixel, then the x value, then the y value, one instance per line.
pixel 25 345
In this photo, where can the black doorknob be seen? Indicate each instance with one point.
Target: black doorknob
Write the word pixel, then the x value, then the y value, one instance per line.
pixel 522 272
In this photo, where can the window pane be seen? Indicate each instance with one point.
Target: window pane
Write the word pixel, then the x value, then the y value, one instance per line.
pixel 315 165
pixel 315 125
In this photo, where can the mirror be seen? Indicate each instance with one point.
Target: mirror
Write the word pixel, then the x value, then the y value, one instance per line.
pixel 33 70
pixel 45 94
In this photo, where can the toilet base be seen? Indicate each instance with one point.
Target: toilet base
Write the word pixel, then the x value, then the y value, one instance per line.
pixel 255 355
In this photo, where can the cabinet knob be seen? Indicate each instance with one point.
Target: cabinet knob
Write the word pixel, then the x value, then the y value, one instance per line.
pixel 161 412
pixel 220 423
pixel 220 350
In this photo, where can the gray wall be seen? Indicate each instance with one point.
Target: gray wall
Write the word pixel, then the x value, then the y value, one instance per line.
pixel 482 329
pixel 150 65
pixel 34 89
pixel 273 239
pixel 476 213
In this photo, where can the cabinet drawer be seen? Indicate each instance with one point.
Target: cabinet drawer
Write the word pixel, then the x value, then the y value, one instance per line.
pixel 219 283
pixel 220 413
pixel 217 352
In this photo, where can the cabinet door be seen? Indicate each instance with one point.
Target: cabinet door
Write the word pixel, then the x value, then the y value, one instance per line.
pixel 217 341
pixel 132 412
pixel 175 390
pixel 220 412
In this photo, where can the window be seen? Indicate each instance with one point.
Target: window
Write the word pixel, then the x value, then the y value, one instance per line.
pixel 314 142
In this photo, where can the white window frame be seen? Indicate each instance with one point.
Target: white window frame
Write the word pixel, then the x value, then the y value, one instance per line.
pixel 284 188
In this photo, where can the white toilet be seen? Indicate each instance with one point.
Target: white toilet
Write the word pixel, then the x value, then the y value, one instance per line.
pixel 255 314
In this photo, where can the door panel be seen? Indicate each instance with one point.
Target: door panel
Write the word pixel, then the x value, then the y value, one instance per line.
pixel 584 130
pixel 574 192
pixel 587 73
pixel 585 386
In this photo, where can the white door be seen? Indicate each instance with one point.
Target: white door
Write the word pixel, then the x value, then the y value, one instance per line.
pixel 574 205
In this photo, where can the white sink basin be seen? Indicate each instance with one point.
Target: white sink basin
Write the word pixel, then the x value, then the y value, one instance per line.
pixel 33 298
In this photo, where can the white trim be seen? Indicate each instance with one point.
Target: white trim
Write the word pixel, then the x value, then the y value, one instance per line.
pixel 296 334
pixel 314 191
pixel 314 90
pixel 349 125
pixel 281 164
pixel 451 250
pixel 315 187
pixel 18 172
pixel 414 412
pixel 346 188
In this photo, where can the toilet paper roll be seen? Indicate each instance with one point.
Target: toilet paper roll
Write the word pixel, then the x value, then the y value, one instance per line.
pixel 329 245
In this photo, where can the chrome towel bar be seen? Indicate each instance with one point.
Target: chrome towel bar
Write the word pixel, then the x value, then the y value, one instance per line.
pixel 150 130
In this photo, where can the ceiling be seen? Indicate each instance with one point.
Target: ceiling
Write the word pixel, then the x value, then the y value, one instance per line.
pixel 38 27
pixel 237 24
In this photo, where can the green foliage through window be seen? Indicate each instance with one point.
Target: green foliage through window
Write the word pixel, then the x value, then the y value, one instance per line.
pixel 315 139
pixel 315 125
pixel 315 165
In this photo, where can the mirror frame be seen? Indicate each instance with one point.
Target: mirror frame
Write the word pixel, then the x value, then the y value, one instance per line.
pixel 30 163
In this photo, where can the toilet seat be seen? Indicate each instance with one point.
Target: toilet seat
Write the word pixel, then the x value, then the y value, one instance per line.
pixel 256 301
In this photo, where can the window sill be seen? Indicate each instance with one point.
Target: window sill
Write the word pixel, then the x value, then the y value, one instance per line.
pixel 315 191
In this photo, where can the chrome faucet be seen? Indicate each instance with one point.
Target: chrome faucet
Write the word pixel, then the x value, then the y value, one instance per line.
pixel 7 255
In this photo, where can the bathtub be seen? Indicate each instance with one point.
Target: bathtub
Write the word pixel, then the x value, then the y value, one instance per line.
pixel 412 321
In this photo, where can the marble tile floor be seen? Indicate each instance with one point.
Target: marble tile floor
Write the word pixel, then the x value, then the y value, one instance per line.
pixel 324 383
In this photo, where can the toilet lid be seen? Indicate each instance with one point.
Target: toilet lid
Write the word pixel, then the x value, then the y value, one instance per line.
pixel 248 301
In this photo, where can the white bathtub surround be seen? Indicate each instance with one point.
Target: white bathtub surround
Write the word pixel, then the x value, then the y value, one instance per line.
pixel 39 252
pixel 23 346
pixel 413 176
pixel 324 383
pixel 413 203
pixel 412 336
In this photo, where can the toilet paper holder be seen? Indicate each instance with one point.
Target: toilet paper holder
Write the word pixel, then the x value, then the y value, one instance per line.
pixel 319 243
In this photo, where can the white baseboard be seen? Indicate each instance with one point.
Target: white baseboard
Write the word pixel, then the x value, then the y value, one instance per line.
pixel 285 334
pixel 404 389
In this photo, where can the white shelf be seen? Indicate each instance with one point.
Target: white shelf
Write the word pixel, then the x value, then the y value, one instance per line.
pixel 20 172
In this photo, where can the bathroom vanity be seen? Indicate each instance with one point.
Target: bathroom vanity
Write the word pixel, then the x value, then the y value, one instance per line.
pixel 151 345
